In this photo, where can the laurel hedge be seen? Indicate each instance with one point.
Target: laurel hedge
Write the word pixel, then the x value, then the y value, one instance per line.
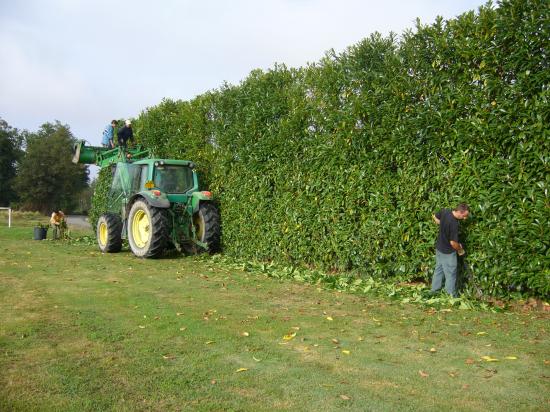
pixel 340 164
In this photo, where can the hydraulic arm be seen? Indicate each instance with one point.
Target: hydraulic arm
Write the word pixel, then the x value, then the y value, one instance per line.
pixel 104 156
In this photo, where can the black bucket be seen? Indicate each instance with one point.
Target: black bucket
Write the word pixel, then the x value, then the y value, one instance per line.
pixel 40 233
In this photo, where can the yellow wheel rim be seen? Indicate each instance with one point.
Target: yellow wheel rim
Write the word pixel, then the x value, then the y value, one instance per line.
pixel 141 229
pixel 199 226
pixel 103 233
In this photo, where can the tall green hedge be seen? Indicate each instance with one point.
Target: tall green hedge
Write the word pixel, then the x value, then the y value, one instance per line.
pixel 340 164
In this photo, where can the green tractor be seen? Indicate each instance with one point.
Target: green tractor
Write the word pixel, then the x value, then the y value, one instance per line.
pixel 154 203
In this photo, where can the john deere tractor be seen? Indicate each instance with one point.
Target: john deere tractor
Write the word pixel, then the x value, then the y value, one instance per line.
pixel 154 203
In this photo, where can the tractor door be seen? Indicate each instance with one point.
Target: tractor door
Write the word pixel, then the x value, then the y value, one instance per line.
pixel 126 182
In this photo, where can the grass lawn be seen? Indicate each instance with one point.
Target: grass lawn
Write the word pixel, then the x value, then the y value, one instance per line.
pixel 81 330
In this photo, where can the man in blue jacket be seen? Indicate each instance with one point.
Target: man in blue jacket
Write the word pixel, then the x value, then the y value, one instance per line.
pixel 108 134
pixel 447 247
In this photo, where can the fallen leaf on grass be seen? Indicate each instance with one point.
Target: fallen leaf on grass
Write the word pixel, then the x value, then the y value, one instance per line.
pixel 296 327
pixel 245 334
pixel 241 370
pixel 256 359
pixel 423 374
pixel 510 357
pixel 346 352
pixel 290 336
pixel 168 356
pixel 489 359
pixel 360 339
pixel 453 374
pixel 179 313
pixel 481 333
pixel 470 361
pixel 182 329
pixel 209 342
pixel 141 327
pixel 345 397
pixel 329 318
pixel 433 350
pixel 335 341
pixel 213 381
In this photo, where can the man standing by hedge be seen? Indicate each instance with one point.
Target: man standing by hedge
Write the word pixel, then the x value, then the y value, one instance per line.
pixel 447 247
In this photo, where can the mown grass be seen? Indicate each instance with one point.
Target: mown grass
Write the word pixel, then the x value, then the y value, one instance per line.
pixel 85 331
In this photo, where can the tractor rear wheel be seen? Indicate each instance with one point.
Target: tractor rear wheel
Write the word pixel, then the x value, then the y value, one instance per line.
pixel 109 233
pixel 207 226
pixel 147 230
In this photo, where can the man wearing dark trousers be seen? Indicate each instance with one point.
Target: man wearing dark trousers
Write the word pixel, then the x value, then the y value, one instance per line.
pixel 125 134
pixel 447 247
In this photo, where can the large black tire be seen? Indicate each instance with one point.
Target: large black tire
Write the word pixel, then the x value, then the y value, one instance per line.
pixel 207 226
pixel 147 230
pixel 109 233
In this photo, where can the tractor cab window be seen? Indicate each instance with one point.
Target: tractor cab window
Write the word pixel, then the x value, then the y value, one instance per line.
pixel 126 180
pixel 173 179
pixel 143 177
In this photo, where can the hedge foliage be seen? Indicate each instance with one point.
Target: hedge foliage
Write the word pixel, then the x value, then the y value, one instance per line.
pixel 340 164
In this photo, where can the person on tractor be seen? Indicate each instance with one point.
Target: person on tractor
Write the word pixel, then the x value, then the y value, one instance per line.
pixel 125 134
pixel 108 133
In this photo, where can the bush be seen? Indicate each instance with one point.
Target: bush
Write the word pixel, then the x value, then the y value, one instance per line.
pixel 100 197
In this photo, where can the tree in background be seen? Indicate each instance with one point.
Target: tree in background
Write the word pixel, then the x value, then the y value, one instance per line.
pixel 10 154
pixel 47 179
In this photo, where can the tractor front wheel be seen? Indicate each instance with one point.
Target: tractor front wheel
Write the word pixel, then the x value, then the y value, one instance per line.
pixel 207 226
pixel 109 233
pixel 147 230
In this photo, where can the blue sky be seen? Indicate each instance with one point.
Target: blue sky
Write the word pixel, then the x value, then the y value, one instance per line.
pixel 86 62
